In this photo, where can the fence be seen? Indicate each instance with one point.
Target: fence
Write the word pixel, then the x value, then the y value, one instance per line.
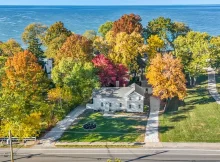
pixel 16 139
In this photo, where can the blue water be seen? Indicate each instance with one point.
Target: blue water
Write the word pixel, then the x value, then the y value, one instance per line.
pixel 13 19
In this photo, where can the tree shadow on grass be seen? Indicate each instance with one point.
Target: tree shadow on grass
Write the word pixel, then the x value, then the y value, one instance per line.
pixel 123 129
pixel 178 118
pixel 164 129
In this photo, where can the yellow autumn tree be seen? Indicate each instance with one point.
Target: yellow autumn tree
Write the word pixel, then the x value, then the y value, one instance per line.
pixel 154 44
pixel 165 74
pixel 30 126
pixel 58 97
pixel 23 97
pixel 126 48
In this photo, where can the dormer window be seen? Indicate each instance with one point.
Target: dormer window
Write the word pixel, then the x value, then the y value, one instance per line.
pixel 139 98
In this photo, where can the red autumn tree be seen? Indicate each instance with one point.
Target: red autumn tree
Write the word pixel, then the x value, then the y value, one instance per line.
pixel 128 23
pixel 109 72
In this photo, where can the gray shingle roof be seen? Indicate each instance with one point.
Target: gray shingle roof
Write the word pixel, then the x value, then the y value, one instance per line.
pixel 118 92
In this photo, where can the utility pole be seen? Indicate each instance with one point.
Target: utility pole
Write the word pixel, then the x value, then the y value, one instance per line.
pixel 11 148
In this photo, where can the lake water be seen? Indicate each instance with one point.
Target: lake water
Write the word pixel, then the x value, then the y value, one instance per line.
pixel 13 19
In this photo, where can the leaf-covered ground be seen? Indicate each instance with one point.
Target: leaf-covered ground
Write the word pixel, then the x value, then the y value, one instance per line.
pixel 197 121
pixel 109 129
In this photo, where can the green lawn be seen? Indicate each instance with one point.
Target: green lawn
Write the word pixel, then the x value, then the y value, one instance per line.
pixel 109 129
pixel 197 121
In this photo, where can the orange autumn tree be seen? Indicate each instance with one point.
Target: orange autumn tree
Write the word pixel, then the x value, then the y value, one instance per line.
pixel 128 24
pixel 23 73
pixel 24 88
pixel 77 47
pixel 165 74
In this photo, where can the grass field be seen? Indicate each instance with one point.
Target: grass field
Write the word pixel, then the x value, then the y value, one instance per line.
pixel 109 129
pixel 197 121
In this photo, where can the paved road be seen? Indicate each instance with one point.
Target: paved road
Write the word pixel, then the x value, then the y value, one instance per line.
pixel 101 155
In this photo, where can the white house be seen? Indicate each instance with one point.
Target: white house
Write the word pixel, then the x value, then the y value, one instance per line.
pixel 129 99
pixel 48 65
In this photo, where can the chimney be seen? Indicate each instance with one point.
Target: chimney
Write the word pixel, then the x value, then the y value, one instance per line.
pixel 117 83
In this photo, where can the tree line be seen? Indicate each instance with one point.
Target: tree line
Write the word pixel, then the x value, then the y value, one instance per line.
pixel 168 53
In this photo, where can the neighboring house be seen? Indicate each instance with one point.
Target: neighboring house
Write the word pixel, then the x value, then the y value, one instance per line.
pixel 48 65
pixel 129 99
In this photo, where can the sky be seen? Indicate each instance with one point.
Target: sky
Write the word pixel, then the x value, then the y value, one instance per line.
pixel 107 2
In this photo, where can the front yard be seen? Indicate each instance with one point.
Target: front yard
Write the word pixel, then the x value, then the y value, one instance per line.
pixel 197 121
pixel 109 129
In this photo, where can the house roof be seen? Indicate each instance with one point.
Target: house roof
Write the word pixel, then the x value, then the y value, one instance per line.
pixel 118 92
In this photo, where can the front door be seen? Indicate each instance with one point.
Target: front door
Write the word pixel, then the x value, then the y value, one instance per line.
pixel 107 106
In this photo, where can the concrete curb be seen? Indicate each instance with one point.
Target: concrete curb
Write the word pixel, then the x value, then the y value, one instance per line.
pixel 200 145
pixel 99 143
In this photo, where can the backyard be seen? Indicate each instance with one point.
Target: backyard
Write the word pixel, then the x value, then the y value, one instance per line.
pixel 197 121
pixel 109 129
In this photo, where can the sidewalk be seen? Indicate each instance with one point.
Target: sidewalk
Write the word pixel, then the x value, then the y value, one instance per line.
pixel 212 85
pixel 153 121
pixel 61 126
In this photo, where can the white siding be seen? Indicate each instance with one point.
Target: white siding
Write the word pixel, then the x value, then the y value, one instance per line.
pixel 48 65
pixel 135 100
pixel 115 104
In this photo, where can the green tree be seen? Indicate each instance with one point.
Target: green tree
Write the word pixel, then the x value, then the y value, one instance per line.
pixel 105 28
pixel 215 52
pixel 90 34
pixel 54 46
pixel 193 50
pixel 32 37
pixel 167 30
pixel 54 31
pixel 54 38
pixel 101 46
pixel 10 48
pixel 80 77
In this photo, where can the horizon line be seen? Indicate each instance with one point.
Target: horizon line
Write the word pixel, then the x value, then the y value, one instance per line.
pixel 112 5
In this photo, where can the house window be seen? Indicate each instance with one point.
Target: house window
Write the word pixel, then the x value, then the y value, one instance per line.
pixel 102 104
pixel 120 104
pixel 110 104
pixel 139 98
pixel 129 98
pixel 130 106
pixel 139 106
